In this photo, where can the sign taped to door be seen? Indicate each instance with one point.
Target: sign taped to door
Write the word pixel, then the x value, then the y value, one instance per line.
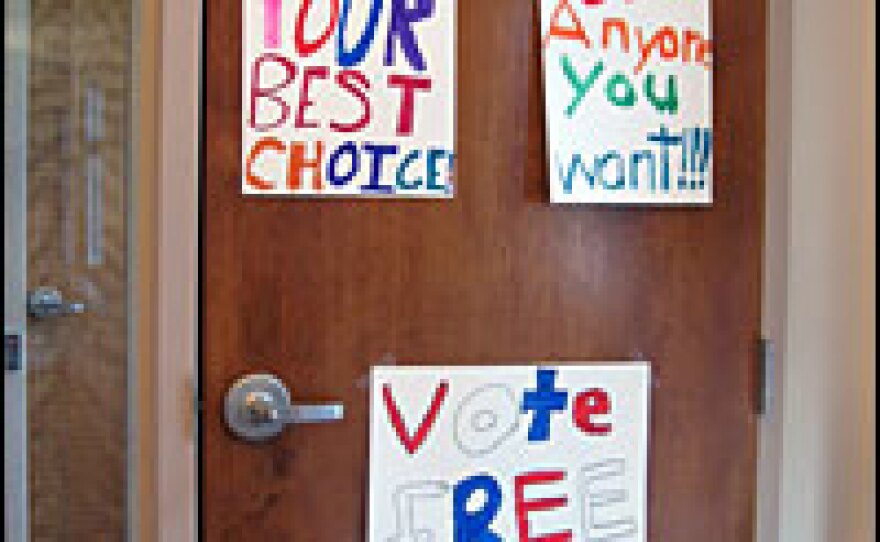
pixel 348 98
pixel 477 454
pixel 628 91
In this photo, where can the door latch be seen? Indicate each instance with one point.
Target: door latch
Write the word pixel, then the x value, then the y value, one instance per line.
pixel 13 351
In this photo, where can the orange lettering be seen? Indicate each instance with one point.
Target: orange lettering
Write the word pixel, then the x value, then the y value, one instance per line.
pixel 264 144
pixel 299 163
pixel 696 47
pixel 622 30
pixel 575 32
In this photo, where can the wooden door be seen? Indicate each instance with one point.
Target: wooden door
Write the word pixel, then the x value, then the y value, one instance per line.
pixel 318 291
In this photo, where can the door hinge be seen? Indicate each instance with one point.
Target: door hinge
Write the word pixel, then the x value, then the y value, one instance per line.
pixel 765 375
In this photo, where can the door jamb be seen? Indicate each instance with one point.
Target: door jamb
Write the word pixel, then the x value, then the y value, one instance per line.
pixel 165 300
pixel 16 44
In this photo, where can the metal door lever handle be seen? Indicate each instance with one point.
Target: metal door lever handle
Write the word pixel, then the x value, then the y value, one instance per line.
pixel 258 408
pixel 315 413
pixel 45 302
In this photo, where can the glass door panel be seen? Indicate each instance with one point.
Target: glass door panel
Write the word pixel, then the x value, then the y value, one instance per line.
pixel 71 144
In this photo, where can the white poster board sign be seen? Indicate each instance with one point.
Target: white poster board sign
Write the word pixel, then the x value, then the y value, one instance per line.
pixel 492 454
pixel 628 92
pixel 348 98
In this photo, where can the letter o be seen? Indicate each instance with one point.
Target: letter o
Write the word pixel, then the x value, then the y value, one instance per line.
pixel 333 175
pixel 484 419
pixel 617 83
pixel 668 39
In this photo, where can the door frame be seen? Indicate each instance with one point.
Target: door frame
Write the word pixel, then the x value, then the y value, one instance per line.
pixel 165 290
pixel 15 468
pixel 168 454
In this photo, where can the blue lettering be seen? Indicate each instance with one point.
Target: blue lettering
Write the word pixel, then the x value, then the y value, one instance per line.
pixel 400 30
pixel 332 164
pixel 665 140
pixel 434 174
pixel 576 165
pixel 637 158
pixel 602 164
pixel 348 58
pixel 402 182
pixel 475 525
pixel 543 400
pixel 379 153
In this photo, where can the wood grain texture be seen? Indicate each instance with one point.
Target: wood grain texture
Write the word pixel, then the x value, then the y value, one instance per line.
pixel 318 291
pixel 77 365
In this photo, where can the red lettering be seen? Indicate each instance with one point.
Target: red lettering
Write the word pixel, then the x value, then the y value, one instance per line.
pixel 356 84
pixel 591 403
pixel 269 93
pixel 409 85
pixel 525 507
pixel 689 47
pixel 308 48
pixel 668 39
pixel 414 442
pixel 305 100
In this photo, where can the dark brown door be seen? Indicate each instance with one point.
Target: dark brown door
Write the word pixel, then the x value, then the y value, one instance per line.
pixel 318 291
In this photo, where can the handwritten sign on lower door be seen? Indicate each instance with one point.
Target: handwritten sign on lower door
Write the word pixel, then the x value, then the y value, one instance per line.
pixel 492 454
pixel 348 98
pixel 628 89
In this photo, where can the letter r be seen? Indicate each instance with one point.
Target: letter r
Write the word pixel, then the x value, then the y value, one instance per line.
pixel 401 30
pixel 475 525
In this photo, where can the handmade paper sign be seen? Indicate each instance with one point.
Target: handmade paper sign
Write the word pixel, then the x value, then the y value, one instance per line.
pixel 348 98
pixel 628 90
pixel 492 454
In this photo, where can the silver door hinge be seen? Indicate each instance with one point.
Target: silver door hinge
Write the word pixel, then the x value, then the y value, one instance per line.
pixel 766 375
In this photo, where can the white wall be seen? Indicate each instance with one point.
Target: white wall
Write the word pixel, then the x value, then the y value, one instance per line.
pixel 819 440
